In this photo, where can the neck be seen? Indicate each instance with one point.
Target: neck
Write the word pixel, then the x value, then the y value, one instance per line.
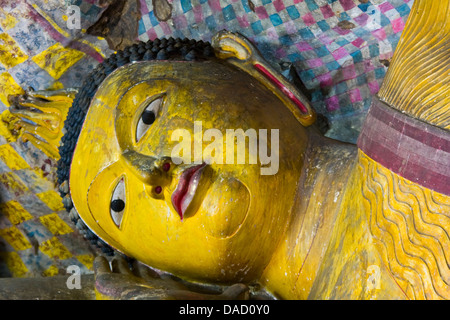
pixel 294 266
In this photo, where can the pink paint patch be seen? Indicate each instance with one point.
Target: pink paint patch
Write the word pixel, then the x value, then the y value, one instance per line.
pixel 355 95
pixel 280 53
pixel 327 11
pixel 373 87
pixel 272 34
pixel 362 19
pixel 314 63
pixel 341 31
pixel 303 46
pixel 298 1
pixel 324 39
pixel 349 72
pixel 152 34
pixel 215 5
pixel 243 21
pixel 332 103
pixel 261 12
pixel 347 4
pixel 279 5
pixel 339 53
pixel 380 34
pixel 386 6
pixel 398 25
pixel 198 13
pixel 358 42
pixel 180 22
pixel 308 19
pixel 325 80
pixel 290 27
pixel 165 27
pixel 144 8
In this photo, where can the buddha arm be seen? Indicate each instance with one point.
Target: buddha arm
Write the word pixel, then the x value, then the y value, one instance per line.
pixel 325 175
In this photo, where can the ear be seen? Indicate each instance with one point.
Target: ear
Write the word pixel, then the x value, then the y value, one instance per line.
pixel 238 51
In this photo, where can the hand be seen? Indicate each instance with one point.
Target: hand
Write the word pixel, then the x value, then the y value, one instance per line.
pixel 119 281
pixel 38 117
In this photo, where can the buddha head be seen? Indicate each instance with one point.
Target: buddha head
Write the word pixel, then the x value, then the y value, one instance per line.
pixel 188 165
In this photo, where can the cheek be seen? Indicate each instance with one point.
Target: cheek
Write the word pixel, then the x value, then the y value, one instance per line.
pixel 225 207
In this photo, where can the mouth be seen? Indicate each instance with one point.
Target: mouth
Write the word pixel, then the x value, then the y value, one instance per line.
pixel 186 189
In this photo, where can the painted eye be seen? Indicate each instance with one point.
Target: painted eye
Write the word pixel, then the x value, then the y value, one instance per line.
pixel 118 201
pixel 147 118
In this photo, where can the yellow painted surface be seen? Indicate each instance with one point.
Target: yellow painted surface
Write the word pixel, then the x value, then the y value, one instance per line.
pixel 11 158
pixel 387 240
pixel 8 86
pixel 57 59
pixel 87 260
pixel 411 226
pixel 52 199
pixel 15 238
pixel 7 21
pixel 51 271
pixel 14 212
pixel 55 224
pixel 417 81
pixel 45 132
pixel 15 184
pixel 11 54
pixel 54 249
pixel 14 263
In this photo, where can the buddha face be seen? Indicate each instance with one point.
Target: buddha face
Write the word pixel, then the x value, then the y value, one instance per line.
pixel 194 217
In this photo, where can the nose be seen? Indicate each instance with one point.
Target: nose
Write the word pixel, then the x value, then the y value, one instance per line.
pixel 155 172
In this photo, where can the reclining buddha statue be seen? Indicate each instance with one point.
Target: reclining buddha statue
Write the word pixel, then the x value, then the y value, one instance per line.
pixel 201 161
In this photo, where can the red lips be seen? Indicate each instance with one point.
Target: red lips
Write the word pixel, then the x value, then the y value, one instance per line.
pixel 187 184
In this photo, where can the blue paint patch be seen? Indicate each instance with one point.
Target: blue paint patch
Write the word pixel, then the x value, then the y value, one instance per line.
pixel 276 20
pixel 257 27
pixel 293 12
pixel 228 13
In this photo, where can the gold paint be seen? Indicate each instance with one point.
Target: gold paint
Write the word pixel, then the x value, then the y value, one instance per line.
pixel 11 158
pixel 14 264
pixel 87 260
pixel 417 81
pixel 10 52
pixel 47 110
pixel 14 212
pixel 8 86
pixel 14 183
pixel 55 249
pixel 52 199
pixel 411 229
pixel 15 238
pixel 51 271
pixel 55 224
pixel 7 21
pixel 57 59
